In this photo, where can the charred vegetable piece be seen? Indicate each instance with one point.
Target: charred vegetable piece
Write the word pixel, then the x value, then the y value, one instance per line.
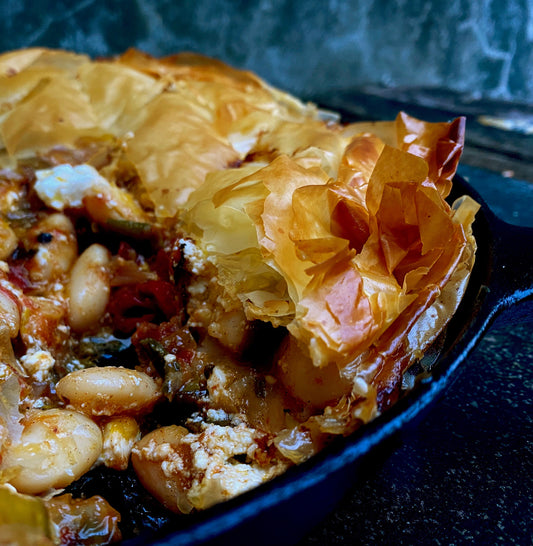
pixel 107 351
pixel 130 228
pixel 171 350
pixel 84 522
pixel 23 517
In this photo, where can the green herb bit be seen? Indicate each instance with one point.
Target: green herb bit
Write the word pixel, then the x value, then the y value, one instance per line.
pixel 130 227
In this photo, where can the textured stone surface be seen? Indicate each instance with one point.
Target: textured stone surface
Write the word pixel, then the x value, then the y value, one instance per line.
pixel 483 47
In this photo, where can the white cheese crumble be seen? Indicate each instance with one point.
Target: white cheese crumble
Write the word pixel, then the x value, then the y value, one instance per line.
pixel 216 475
pixel 193 256
pixel 170 359
pixel 65 186
pixel 201 459
pixel 197 288
pixel 217 415
pixel 38 364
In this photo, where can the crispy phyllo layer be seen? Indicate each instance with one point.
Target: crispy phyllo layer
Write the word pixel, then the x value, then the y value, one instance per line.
pixel 184 115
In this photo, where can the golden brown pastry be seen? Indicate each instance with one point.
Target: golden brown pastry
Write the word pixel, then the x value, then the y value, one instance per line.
pixel 269 272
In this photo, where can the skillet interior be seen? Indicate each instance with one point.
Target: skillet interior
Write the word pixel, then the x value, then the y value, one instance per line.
pixel 281 511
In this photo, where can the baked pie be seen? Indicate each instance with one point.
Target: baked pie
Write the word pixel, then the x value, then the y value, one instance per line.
pixel 203 280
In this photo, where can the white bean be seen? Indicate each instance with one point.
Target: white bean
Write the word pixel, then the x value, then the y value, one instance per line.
pixel 9 313
pixel 56 254
pixel 56 447
pixel 89 287
pixel 8 240
pixel 109 391
pixel 163 463
pixel 316 387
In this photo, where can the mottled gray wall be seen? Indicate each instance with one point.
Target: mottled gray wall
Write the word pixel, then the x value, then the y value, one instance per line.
pixel 483 47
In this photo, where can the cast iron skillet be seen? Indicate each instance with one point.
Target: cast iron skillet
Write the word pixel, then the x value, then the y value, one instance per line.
pixel 283 510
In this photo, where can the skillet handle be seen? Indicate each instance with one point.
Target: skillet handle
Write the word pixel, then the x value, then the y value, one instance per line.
pixel 512 271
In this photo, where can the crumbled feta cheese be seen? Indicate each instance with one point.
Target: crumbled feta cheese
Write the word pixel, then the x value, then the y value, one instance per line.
pixel 217 415
pixel 193 256
pixel 38 364
pixel 217 380
pixel 217 475
pixel 201 459
pixel 197 288
pixel 65 186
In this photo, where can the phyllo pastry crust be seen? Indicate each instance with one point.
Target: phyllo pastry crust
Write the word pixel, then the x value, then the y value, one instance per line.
pixel 203 279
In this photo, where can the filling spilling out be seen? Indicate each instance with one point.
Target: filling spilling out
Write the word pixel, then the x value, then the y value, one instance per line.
pixel 203 281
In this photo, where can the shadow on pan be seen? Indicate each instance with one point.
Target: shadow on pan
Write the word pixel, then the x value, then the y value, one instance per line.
pixel 283 510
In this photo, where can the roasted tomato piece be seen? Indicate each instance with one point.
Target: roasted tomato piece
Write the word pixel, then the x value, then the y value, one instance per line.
pixel 171 350
pixel 150 301
pixel 84 521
